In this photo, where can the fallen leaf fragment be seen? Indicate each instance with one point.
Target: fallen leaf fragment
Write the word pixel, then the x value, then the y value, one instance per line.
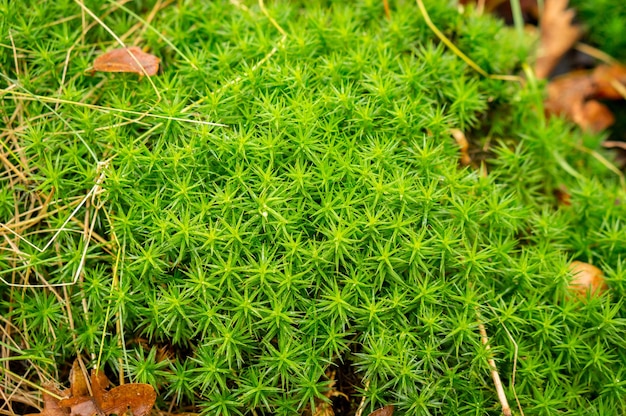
pixel 558 35
pixel 587 278
pixel 131 59
pixel 50 404
pixel 461 140
pixel 502 8
pixel 135 398
pixel 575 96
pixel 563 195
pixel 78 381
pixel 606 78
pixel 383 411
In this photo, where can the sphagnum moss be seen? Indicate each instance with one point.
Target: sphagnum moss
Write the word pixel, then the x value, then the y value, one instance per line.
pixel 329 223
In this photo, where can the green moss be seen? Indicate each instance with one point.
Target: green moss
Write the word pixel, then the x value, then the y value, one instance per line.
pixel 604 23
pixel 329 222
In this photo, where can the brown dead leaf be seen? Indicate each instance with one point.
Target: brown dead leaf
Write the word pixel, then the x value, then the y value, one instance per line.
pixel 121 60
pixel 574 95
pixel 383 411
pixel 50 404
pixel 606 78
pixel 594 116
pixel 78 381
pixel 558 35
pixel 566 94
pixel 135 398
pixel 502 8
pixel 563 195
pixel 587 279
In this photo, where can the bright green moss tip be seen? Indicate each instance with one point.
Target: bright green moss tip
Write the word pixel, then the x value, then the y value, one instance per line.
pixel 329 226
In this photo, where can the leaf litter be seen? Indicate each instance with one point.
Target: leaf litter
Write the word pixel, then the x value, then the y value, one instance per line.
pixel 92 397
pixel 558 35
pixel 383 411
pixel 576 96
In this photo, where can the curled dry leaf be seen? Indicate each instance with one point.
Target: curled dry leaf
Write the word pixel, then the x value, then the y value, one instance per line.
pixel 131 59
pixel 383 411
pixel 558 35
pixel 136 399
pixel 575 96
pixel 587 278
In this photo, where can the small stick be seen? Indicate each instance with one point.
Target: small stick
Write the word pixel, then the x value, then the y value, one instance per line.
pixel 387 9
pixel 480 7
pixel 609 144
pixel 359 411
pixel 506 409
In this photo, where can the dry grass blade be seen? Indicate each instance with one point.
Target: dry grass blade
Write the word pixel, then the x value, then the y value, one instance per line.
pixel 87 235
pixel 254 67
pixel 515 356
pixel 457 51
pixel 111 109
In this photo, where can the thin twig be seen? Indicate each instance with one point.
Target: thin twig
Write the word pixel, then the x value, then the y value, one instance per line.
pixel 506 409
pixel 359 411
